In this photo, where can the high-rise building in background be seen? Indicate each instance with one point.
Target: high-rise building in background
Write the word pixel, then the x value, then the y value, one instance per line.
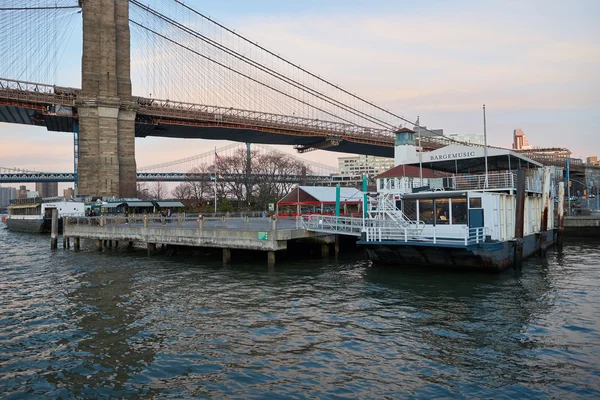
pixel 520 140
pixel 47 189
pixel 6 195
pixel 472 138
pixel 22 192
pixel 592 161
pixel 68 194
pixel 364 165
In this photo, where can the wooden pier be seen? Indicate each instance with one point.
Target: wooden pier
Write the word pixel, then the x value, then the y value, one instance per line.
pixel 259 234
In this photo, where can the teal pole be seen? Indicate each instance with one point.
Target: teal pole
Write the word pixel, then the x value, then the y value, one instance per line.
pixel 365 187
pixel 337 200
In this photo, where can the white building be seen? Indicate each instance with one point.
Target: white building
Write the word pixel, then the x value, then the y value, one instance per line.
pixel 467 138
pixel 362 164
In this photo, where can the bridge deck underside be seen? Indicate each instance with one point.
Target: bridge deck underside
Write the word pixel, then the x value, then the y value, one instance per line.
pixel 64 123
pixel 257 136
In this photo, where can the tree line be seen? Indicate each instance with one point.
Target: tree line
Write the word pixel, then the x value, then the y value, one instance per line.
pixel 245 194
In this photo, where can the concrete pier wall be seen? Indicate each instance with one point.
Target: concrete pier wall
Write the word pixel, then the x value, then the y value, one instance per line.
pixel 584 226
pixel 217 238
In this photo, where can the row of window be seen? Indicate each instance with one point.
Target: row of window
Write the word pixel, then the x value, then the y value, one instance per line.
pixel 444 211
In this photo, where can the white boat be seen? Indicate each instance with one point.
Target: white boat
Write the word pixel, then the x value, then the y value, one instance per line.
pixel 35 214
pixel 465 211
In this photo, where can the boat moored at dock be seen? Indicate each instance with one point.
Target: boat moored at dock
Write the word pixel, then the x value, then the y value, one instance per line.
pixel 35 214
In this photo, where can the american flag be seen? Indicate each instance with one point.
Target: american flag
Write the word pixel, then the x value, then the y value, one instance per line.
pixel 216 155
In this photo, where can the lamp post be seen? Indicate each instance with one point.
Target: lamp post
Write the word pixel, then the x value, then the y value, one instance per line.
pixel 586 190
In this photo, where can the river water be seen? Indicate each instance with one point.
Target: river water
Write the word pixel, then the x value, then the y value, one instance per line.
pixel 121 325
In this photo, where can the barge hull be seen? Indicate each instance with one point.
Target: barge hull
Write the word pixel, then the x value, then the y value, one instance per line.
pixel 31 225
pixel 491 256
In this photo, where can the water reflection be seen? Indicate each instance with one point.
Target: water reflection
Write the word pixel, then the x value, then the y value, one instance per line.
pixel 120 324
pixel 111 344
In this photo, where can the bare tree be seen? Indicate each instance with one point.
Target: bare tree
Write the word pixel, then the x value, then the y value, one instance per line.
pixel 272 167
pixel 142 191
pixel 181 192
pixel 159 190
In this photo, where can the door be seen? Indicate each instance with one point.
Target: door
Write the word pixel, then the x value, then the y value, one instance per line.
pixel 476 218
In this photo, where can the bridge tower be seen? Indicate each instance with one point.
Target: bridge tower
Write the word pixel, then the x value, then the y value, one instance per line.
pixel 106 109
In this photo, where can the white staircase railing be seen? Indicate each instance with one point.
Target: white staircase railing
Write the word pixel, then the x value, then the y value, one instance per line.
pixel 332 224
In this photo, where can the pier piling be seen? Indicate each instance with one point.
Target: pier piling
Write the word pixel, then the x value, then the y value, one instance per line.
pixel 271 259
pixel 520 219
pixel 76 243
pixel 100 244
pixel 54 230
pixel 151 248
pixel 561 214
pixel 325 250
pixel 226 256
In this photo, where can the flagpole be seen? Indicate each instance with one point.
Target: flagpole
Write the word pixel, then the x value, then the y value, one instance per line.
pixel 420 154
pixel 216 175
pixel 485 148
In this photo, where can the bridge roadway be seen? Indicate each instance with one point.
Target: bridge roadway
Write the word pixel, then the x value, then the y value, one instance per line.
pixel 56 109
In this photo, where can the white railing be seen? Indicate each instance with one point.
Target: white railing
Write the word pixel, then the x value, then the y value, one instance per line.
pixel 462 236
pixel 332 224
pixel 500 180
pixel 377 230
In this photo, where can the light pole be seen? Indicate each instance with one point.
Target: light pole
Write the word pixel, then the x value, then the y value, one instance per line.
pixel 586 190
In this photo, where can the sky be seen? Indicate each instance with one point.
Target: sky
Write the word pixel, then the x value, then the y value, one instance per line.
pixel 534 64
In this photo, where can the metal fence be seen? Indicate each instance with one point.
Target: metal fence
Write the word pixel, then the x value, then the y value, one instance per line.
pixel 464 236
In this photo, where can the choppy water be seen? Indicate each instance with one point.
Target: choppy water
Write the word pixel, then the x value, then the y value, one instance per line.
pixel 118 324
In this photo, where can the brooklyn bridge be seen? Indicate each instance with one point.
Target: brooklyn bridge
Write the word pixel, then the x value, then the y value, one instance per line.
pixel 204 81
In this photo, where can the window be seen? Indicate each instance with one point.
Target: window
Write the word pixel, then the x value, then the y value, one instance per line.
pixel 459 210
pixel 409 208
pixel 442 211
pixel 475 202
pixel 426 211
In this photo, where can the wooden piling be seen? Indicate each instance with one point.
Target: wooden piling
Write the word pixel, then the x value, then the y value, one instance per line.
pixel 561 214
pixel 520 219
pixel 54 230
pixel 337 246
pixel 76 243
pixel 325 250
pixel 100 244
pixel 226 256
pixel 545 205
pixel 151 248
pixel 271 259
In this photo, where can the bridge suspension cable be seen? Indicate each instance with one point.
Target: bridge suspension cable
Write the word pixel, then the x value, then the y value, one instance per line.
pixel 285 87
pixel 261 67
pixel 35 37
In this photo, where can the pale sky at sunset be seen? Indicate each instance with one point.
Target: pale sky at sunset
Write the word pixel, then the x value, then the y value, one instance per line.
pixel 535 64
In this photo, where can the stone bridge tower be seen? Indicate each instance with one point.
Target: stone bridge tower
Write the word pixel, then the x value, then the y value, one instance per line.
pixel 106 109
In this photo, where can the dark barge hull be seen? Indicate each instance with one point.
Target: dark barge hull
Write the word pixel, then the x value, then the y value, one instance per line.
pixel 489 256
pixel 41 225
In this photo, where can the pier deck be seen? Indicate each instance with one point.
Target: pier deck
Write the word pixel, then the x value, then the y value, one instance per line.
pixel 262 234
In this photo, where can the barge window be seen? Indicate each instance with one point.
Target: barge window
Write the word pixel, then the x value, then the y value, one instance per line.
pixel 459 210
pixel 426 211
pixel 442 211
pixel 409 208
pixel 475 202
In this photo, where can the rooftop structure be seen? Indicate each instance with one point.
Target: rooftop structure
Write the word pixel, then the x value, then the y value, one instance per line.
pixel 520 140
